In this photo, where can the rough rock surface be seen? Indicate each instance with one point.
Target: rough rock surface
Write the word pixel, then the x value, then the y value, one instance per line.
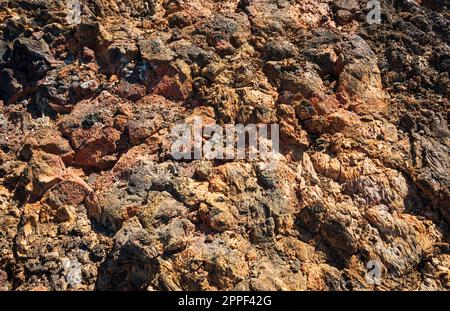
pixel 90 197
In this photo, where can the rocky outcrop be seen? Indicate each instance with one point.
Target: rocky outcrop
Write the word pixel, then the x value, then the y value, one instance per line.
pixel 91 197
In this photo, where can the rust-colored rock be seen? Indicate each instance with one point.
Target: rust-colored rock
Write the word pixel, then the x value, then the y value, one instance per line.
pixel 92 198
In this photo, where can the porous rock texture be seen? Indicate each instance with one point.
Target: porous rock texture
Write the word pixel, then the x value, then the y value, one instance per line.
pixel 90 197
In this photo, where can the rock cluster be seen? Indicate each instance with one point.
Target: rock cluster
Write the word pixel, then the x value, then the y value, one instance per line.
pixel 91 198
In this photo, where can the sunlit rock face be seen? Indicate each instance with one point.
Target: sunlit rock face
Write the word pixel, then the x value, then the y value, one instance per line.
pixel 92 198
